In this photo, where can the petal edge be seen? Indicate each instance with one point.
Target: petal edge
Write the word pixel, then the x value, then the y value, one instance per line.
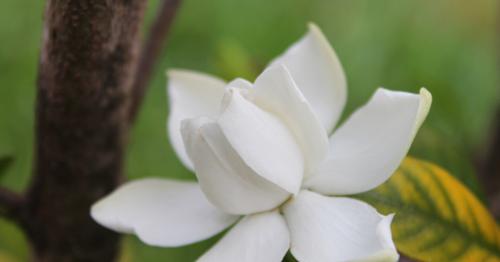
pixel 191 94
pixel 161 212
pixel 367 149
pixel 228 182
pixel 337 229
pixel 275 91
pixel 261 237
pixel 318 73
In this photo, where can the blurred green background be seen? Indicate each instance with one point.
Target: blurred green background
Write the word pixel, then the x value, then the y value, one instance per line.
pixel 448 46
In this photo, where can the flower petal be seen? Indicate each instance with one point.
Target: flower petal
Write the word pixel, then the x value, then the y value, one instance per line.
pixel 318 73
pixel 367 149
pixel 337 229
pixel 224 177
pixel 240 83
pixel 161 212
pixel 261 237
pixel 276 92
pixel 263 141
pixel 191 95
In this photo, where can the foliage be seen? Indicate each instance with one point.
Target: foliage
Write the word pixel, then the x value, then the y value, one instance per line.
pixel 397 44
pixel 437 217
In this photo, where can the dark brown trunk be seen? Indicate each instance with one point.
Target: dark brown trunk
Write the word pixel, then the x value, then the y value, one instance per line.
pixel 88 57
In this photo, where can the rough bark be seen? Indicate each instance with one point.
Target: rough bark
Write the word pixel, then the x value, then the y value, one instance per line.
pixel 87 63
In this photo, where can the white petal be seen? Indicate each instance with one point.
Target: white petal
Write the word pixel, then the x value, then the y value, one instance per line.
pixel 263 141
pixel 161 212
pixel 240 83
pixel 276 92
pixel 224 177
pixel 319 75
pixel 367 149
pixel 191 95
pixel 337 229
pixel 262 237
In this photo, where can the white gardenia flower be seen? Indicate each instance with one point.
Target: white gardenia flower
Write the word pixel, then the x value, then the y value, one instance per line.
pixel 261 152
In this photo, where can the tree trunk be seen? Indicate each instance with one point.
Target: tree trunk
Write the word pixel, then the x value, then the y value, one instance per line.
pixel 88 57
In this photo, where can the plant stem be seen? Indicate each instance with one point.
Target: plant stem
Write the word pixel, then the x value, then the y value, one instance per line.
pixel 150 53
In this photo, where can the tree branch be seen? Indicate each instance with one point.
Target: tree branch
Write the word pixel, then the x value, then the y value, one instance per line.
pixel 150 53
pixel 88 57
pixel 10 203
pixel 489 167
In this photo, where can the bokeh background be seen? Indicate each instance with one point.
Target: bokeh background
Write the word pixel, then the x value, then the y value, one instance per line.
pixel 448 46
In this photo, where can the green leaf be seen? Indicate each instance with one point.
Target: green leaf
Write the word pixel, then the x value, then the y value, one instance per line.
pixel 289 258
pixel 437 217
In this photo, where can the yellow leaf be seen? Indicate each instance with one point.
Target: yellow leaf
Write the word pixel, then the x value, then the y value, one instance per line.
pixel 437 217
